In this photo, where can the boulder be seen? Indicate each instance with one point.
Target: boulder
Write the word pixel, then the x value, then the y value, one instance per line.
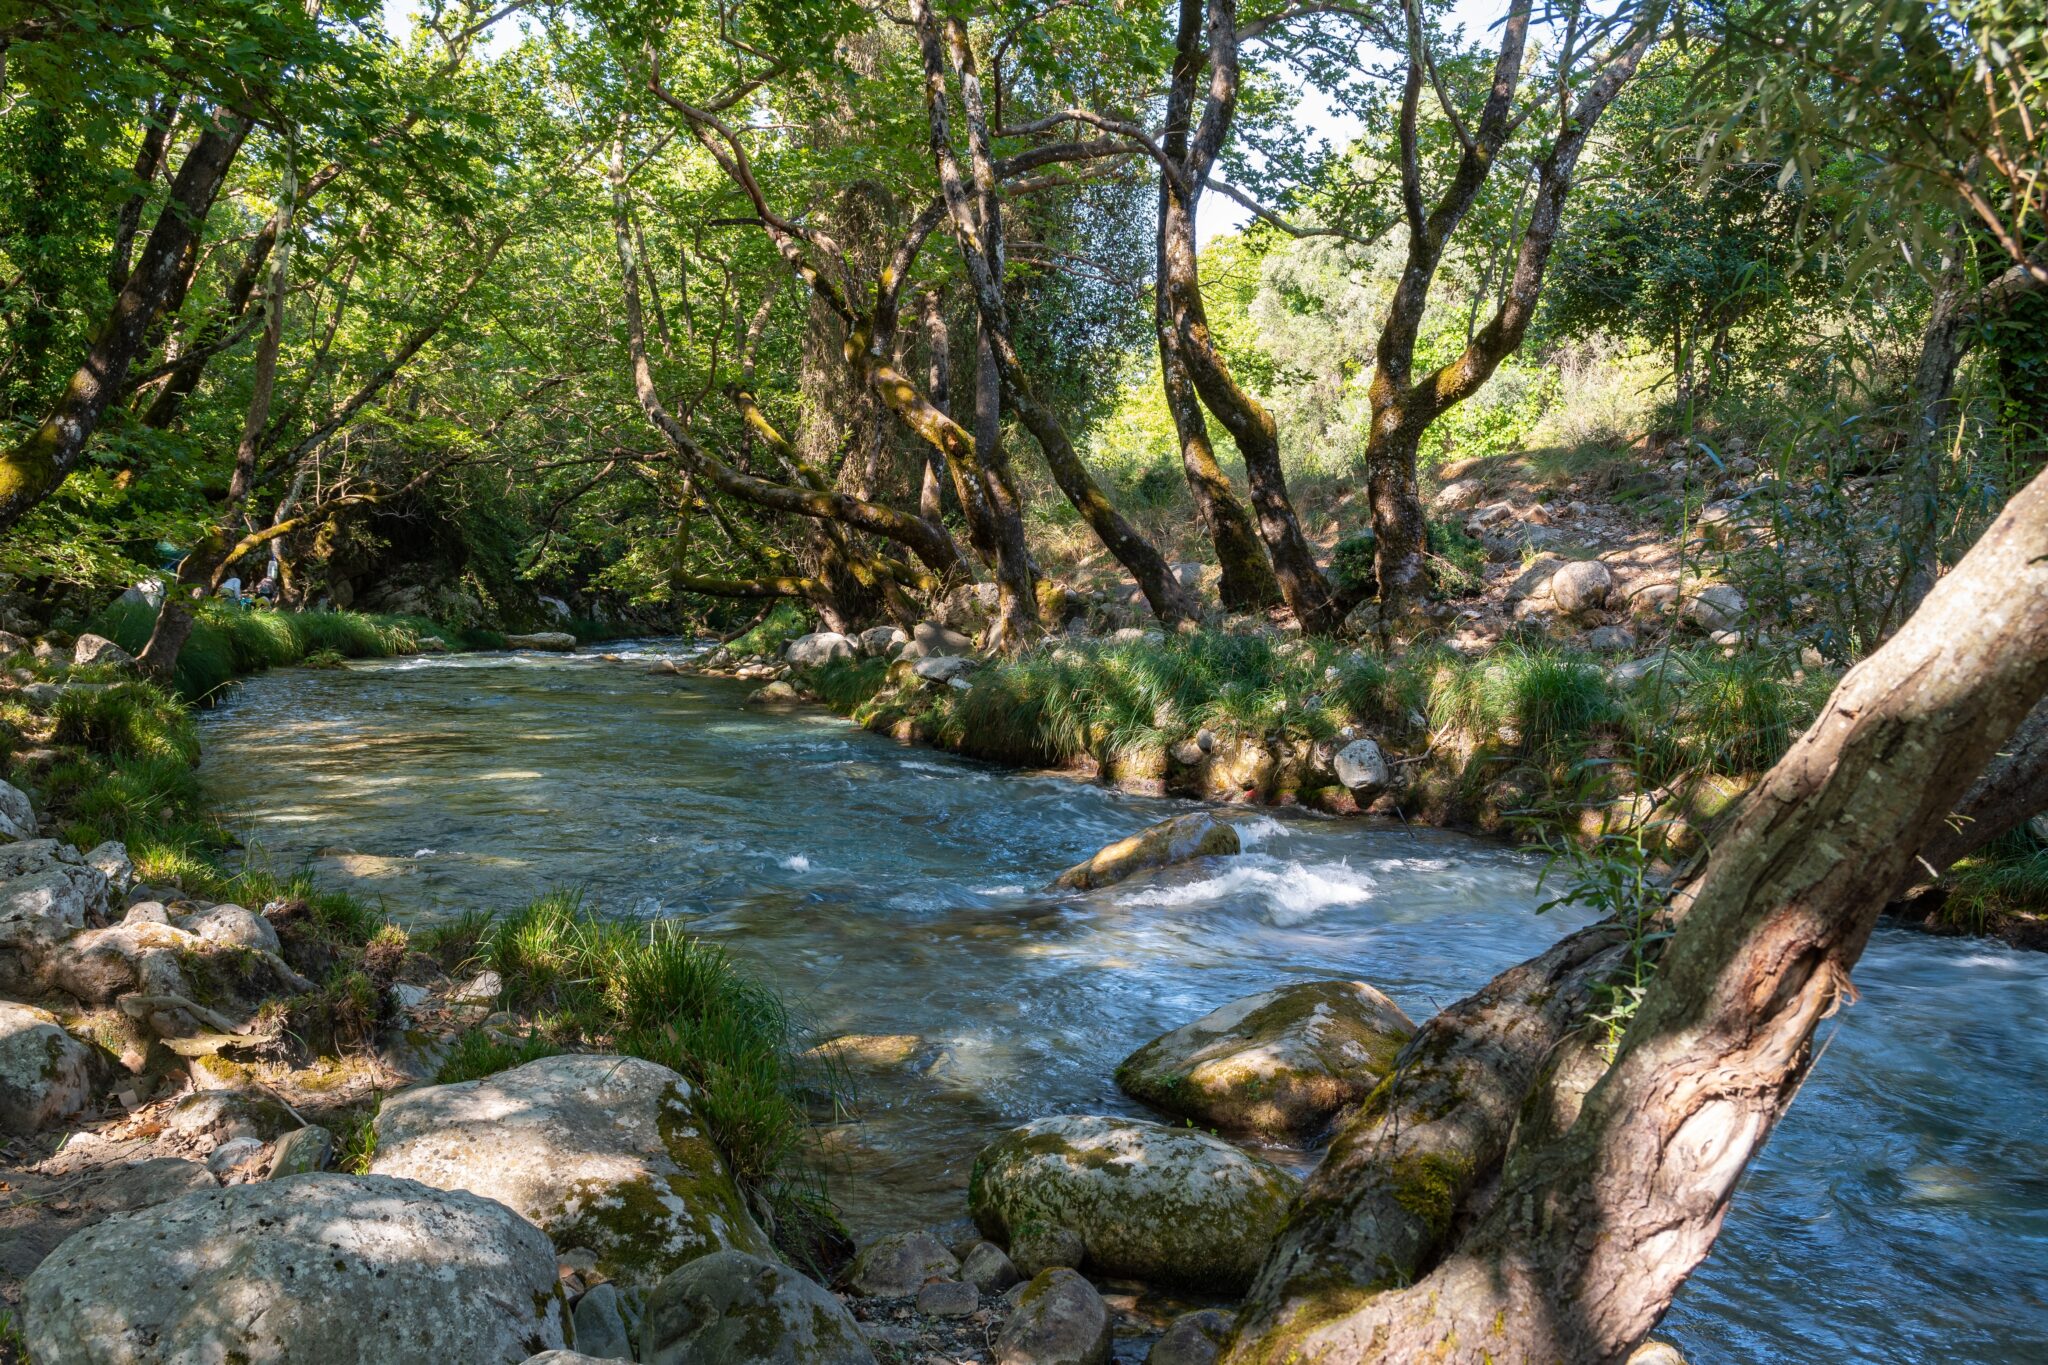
pixel 46 1075
pixel 98 649
pixel 898 1265
pixel 601 1152
pixel 12 644
pixel 234 927
pixel 821 647
pixel 317 1270
pixel 945 668
pixel 111 860
pixel 880 642
pixel 1611 640
pixel 1167 1205
pixel 929 639
pixel 17 815
pixel 988 1269
pixel 300 1152
pixel 1059 1320
pixel 731 1307
pixel 600 1326
pixel 1460 495
pixel 1717 606
pixel 1195 1338
pixel 137 956
pixel 1197 834
pixel 1361 767
pixel 1279 1065
pixel 1581 585
pixel 558 641
pixel 1040 1246
pixel 774 694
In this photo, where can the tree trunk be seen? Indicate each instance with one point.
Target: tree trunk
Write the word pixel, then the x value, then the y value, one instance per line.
pixel 263 385
pixel 32 469
pixel 977 228
pixel 1016 624
pixel 1606 1205
pixel 1401 532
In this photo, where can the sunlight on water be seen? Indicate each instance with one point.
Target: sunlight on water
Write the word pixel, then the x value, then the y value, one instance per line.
pixel 1900 1214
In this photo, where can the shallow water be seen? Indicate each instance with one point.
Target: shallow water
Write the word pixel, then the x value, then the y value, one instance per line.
pixel 1900 1213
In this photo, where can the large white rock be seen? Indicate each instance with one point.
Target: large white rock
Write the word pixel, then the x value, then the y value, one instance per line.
pixel 47 893
pixel 1362 767
pixel 878 642
pixel 137 955
pixel 1717 606
pixel 730 1307
pixel 17 815
pixel 233 926
pixel 1280 1064
pixel 98 649
pixel 820 647
pixel 111 860
pixel 315 1269
pixel 601 1152
pixel 1581 585
pixel 929 639
pixel 45 1074
pixel 1167 1205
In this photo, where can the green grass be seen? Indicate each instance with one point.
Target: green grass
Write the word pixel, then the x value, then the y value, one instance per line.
pixel 1729 716
pixel 655 992
pixel 228 641
pixel 1547 700
pixel 2007 876
pixel 477 1054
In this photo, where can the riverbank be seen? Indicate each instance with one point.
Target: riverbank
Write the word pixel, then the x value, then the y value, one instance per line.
pixel 171 1025
pixel 1635 758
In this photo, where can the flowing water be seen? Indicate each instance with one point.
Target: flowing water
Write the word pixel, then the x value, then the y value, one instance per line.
pixel 1900 1213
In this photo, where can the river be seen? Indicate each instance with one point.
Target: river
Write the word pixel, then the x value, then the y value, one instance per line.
pixel 1900 1214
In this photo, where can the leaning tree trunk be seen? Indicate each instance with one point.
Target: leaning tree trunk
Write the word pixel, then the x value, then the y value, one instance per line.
pixel 1611 1192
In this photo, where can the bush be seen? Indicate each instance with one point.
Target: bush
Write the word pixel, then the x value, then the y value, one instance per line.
pixel 783 623
pixel 2007 876
pixel 228 640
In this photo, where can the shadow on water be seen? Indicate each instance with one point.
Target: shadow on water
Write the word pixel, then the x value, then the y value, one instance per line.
pixel 1901 1213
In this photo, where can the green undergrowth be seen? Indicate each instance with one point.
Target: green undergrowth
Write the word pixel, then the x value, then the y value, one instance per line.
pixel 228 641
pixel 1557 716
pixel 654 991
pixel 774 632
pixel 2007 877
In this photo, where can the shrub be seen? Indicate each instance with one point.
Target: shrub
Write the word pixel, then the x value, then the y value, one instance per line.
pixel 1729 716
pixel 1546 700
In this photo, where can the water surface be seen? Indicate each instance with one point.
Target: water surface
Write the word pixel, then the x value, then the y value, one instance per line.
pixel 1900 1213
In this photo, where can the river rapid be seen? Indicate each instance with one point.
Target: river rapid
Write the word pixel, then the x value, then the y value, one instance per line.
pixel 1900 1214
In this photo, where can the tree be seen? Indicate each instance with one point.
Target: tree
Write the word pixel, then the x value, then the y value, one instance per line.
pixel 1553 1211
pixel 1597 59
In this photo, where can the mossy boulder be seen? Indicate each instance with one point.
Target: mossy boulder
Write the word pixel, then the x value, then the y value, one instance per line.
pixel 898 1265
pixel 1277 1065
pixel 46 1075
pixel 730 1307
pixel 601 1152
pixel 1195 835
pixel 1059 1320
pixel 1167 1205
pixel 316 1269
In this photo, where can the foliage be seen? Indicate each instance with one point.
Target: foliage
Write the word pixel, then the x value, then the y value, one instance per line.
pixel 655 992
pixel 228 641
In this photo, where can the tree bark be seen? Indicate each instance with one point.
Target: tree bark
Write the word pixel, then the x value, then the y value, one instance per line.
pixel 1605 1205
pixel 32 469
pixel 977 228
pixel 1292 568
